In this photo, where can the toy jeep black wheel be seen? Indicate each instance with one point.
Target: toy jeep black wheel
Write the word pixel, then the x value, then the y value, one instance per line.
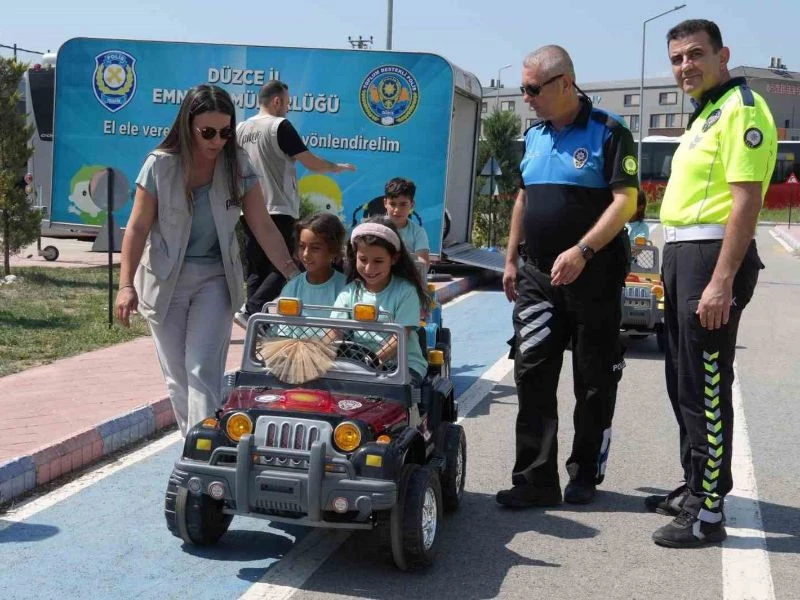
pixel 196 519
pixel 415 519
pixel 455 471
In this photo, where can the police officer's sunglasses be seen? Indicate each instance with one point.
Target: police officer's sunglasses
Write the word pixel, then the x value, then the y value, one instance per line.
pixel 535 90
pixel 209 133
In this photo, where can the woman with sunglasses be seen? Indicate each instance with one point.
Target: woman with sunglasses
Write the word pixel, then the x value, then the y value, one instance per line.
pixel 180 265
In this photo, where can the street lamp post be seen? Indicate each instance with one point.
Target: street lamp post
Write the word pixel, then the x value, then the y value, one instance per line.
pixel 497 97
pixel 641 87
pixel 389 19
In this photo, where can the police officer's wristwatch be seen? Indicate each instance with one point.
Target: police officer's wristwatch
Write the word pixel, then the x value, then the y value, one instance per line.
pixel 586 251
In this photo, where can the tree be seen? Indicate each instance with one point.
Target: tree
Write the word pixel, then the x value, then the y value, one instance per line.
pixel 19 222
pixel 492 219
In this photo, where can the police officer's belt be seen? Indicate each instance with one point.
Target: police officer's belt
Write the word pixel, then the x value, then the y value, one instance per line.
pixel 543 263
pixel 689 233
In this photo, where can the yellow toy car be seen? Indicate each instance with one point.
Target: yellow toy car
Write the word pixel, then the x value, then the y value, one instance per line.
pixel 643 295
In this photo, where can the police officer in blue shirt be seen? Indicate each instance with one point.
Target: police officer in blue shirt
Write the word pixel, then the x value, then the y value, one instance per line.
pixel 578 190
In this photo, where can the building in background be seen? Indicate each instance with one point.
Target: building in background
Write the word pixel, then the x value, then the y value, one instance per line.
pixel 666 107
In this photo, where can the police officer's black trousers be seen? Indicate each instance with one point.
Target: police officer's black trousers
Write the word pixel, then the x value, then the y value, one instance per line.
pixel 546 318
pixel 699 369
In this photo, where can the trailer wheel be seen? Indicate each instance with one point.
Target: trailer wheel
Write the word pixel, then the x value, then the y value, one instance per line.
pixel 50 253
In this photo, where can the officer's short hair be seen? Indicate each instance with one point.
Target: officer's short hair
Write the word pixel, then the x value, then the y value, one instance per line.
pixel 270 90
pixel 552 59
pixel 692 26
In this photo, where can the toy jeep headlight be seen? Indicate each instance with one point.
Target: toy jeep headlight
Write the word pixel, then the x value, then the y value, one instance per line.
pixel 347 436
pixel 658 291
pixel 238 425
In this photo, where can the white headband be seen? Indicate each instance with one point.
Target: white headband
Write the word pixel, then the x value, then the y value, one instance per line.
pixel 378 230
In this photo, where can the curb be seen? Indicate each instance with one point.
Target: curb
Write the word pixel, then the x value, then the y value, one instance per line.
pixel 788 237
pixel 25 473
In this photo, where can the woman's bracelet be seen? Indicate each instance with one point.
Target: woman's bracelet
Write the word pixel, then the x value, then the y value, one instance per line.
pixel 130 285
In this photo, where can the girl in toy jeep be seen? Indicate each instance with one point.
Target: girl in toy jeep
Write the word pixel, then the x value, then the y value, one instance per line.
pixel 320 240
pixel 381 272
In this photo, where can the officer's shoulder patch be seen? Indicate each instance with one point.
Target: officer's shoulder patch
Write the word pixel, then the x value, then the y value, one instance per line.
pixel 629 165
pixel 753 137
pixel 536 123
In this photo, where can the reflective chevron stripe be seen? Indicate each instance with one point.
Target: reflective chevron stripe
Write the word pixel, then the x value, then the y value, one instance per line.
pixel 714 436
pixel 536 331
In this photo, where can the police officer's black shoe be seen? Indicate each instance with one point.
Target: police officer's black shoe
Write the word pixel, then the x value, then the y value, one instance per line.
pixel 671 504
pixel 578 492
pixel 526 496
pixel 687 531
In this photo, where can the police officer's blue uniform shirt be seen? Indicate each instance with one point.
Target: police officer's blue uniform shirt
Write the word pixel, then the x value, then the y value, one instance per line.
pixel 569 175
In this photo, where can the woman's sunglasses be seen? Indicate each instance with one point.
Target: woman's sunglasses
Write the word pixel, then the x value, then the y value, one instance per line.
pixel 535 90
pixel 209 133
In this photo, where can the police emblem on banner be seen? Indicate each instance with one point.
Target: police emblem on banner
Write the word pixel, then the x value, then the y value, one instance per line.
pixel 712 118
pixel 114 79
pixel 389 95
pixel 579 157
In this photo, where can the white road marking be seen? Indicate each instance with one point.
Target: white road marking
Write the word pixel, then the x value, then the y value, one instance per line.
pixel 481 388
pixel 782 242
pixel 30 508
pixel 460 298
pixel 746 573
pixel 287 576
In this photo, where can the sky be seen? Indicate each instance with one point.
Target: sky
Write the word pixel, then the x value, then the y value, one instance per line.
pixel 604 39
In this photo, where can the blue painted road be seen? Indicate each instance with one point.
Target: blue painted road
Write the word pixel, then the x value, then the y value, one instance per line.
pixel 110 541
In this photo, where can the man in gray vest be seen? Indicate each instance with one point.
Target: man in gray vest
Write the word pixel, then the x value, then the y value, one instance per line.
pixel 274 145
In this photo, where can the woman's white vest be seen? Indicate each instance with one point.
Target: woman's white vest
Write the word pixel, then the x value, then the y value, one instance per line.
pixel 166 244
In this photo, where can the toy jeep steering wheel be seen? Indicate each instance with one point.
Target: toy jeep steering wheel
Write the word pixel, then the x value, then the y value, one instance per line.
pixel 358 352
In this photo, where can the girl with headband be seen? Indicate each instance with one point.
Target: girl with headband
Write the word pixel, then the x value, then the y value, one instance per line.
pixel 381 272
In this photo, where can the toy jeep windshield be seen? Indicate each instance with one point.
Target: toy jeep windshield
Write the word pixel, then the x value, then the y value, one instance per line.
pixel 358 446
pixel 643 295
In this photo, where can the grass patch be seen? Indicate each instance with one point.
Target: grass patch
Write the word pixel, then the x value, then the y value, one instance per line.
pixel 780 215
pixel 52 313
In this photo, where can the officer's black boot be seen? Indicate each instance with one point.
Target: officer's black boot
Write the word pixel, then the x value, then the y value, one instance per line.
pixel 688 531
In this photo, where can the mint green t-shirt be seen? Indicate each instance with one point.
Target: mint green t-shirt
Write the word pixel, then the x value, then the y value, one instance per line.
pixel 414 237
pixel 321 294
pixel 400 299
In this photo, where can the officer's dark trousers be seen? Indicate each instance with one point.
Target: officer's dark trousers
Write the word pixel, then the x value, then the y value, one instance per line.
pixel 546 318
pixel 699 369
pixel 264 281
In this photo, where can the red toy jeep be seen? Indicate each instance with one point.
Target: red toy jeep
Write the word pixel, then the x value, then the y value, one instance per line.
pixel 360 447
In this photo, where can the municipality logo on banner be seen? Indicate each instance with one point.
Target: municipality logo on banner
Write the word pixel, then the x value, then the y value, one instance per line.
pixel 114 80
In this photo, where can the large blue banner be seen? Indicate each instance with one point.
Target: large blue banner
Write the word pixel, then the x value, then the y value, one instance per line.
pixel 386 112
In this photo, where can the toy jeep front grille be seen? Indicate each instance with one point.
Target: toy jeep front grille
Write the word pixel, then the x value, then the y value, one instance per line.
pixel 291 433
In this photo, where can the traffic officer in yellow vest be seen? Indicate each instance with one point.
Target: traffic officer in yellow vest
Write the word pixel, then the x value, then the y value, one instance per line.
pixel 720 174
